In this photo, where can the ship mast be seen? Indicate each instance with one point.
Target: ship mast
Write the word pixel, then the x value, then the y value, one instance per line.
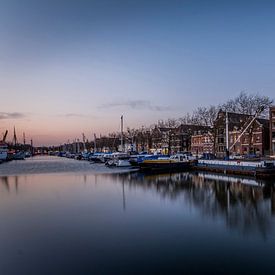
pixel 5 136
pixel 121 127
pixel 227 134
pixel 95 143
pixel 14 136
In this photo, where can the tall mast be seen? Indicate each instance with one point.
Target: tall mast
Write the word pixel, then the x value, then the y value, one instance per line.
pixel 24 139
pixel 32 151
pixel 5 136
pixel 226 132
pixel 95 143
pixel 121 124
pixel 84 142
pixel 14 136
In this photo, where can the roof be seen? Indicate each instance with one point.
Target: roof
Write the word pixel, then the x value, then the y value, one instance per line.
pixel 237 120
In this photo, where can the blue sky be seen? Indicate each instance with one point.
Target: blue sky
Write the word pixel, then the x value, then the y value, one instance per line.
pixel 68 67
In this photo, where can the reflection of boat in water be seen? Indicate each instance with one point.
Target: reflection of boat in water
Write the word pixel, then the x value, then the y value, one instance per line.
pixel 245 204
pixel 230 179
pixel 178 162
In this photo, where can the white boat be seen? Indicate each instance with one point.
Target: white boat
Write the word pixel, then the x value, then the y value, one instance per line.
pixel 119 160
pixel 3 151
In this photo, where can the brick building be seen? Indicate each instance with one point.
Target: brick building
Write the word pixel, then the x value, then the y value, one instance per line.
pixel 254 141
pixel 182 140
pixel 272 130
pixel 178 139
pixel 202 143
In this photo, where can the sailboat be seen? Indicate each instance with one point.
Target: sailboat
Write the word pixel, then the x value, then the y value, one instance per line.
pixel 119 159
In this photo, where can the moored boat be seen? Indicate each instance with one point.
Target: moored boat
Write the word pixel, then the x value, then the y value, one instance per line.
pixel 178 162
pixel 118 160
pixel 3 151
pixel 19 155
pixel 259 169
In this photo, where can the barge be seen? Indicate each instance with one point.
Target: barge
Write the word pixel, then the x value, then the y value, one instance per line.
pixel 258 169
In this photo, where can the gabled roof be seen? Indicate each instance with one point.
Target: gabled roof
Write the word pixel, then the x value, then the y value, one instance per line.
pixel 237 120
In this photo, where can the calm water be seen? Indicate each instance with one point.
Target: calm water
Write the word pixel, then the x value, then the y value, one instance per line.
pixel 60 216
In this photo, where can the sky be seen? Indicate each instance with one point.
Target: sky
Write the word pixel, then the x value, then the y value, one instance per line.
pixel 72 67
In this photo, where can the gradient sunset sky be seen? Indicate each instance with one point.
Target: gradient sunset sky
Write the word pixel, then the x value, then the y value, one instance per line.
pixel 68 67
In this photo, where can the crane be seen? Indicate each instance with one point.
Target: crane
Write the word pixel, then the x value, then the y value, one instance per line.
pixel 5 136
pixel 84 142
pixel 258 112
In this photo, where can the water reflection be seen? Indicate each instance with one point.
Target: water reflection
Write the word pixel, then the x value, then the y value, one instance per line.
pixel 9 184
pixel 244 204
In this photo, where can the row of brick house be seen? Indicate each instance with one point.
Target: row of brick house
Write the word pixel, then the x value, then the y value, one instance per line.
pixel 254 141
pixel 272 130
pixel 259 139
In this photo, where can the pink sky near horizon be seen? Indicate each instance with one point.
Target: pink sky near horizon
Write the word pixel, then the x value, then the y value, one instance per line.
pixel 57 130
pixel 73 67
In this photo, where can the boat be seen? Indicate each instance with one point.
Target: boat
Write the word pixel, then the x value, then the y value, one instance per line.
pixel 3 151
pixel 4 148
pixel 136 159
pixel 177 162
pixel 19 155
pixel 258 169
pixel 118 160
pixel 97 157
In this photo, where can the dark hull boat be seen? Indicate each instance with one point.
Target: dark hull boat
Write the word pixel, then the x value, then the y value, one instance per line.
pixel 172 164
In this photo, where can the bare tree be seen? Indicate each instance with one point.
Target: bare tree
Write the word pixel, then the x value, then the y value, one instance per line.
pixel 189 119
pixel 248 104
pixel 206 116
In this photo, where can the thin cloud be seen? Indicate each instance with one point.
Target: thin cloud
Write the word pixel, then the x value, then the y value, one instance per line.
pixel 74 115
pixel 71 115
pixel 14 115
pixel 138 105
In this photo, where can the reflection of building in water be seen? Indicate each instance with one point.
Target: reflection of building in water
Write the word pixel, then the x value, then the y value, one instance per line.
pixel 245 204
pixel 272 200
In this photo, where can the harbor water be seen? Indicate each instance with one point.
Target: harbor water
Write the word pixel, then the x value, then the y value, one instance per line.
pixel 63 216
